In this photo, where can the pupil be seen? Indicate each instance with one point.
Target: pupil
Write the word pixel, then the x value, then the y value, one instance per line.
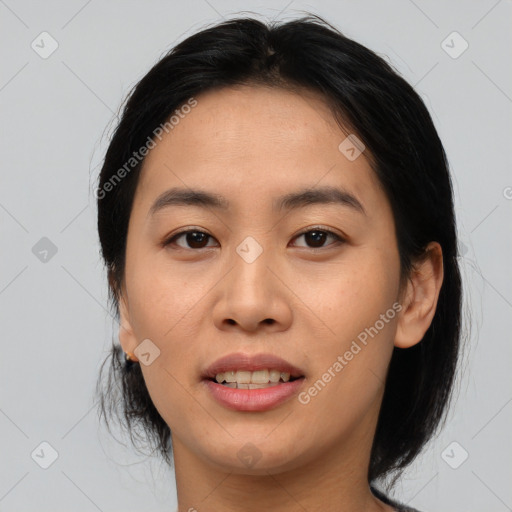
pixel 315 235
pixel 195 238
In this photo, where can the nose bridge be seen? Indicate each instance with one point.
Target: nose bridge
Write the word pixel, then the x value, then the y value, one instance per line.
pixel 251 296
pixel 250 266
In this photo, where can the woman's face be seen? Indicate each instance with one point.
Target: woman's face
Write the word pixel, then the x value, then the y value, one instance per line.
pixel 262 279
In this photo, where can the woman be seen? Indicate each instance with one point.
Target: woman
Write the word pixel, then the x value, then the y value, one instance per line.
pixel 275 213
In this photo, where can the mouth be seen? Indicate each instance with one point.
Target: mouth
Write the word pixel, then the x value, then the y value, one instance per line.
pixel 259 379
pixel 252 382
pixel 256 369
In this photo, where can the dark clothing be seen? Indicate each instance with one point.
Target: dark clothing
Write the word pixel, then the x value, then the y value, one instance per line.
pixel 399 507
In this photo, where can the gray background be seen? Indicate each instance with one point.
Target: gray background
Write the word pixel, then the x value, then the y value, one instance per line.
pixel 57 113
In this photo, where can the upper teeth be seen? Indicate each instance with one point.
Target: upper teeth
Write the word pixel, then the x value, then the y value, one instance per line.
pixel 257 377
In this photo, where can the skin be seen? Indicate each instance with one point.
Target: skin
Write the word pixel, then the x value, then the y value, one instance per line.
pixel 253 144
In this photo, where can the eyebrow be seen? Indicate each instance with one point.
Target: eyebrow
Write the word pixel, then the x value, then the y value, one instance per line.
pixel 299 199
pixel 319 195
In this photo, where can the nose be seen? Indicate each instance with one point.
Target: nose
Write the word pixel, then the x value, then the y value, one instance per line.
pixel 252 297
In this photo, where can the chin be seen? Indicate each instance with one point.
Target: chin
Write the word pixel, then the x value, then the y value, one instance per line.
pixel 243 455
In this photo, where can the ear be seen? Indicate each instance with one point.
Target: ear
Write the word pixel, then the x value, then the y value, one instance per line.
pixel 126 336
pixel 419 306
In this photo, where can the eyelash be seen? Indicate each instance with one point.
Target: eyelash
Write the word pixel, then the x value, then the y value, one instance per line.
pixel 320 229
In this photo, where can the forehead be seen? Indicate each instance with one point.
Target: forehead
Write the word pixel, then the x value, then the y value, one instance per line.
pixel 253 140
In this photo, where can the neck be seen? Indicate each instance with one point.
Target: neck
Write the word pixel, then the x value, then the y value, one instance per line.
pixel 333 479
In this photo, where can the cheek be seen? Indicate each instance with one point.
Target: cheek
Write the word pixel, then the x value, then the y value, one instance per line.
pixel 162 296
pixel 351 294
pixel 349 373
pixel 164 307
pixel 358 307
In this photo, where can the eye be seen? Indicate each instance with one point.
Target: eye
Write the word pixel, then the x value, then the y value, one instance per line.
pixel 317 237
pixel 194 239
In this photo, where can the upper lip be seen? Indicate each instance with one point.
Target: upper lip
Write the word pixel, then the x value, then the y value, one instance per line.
pixel 247 362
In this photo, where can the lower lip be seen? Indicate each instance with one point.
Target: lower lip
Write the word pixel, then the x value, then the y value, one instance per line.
pixel 253 399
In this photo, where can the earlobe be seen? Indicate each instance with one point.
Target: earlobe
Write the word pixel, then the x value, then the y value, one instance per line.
pixel 126 335
pixel 419 307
